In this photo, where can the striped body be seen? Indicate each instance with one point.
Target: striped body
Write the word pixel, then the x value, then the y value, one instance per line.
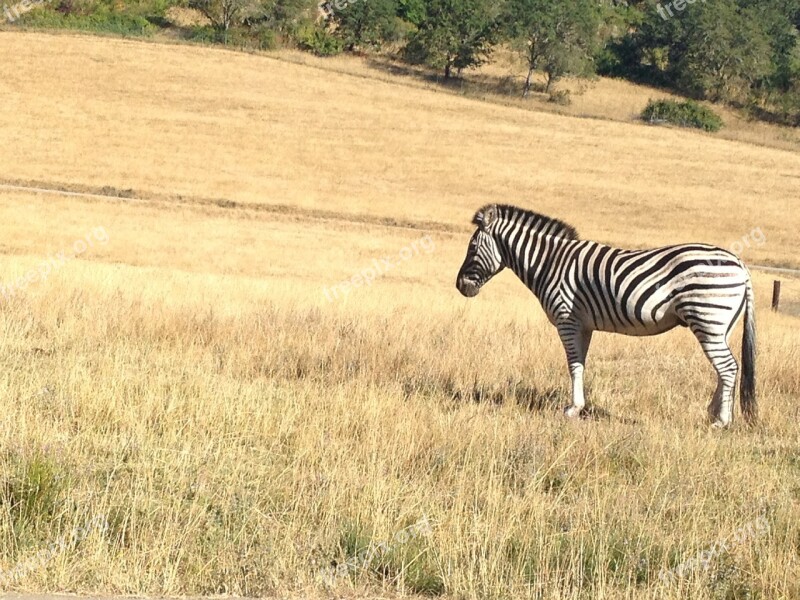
pixel 584 286
pixel 638 292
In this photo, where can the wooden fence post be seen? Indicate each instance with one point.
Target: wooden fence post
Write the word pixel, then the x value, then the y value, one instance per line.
pixel 776 295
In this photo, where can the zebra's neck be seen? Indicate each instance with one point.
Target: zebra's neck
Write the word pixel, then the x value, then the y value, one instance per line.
pixel 531 255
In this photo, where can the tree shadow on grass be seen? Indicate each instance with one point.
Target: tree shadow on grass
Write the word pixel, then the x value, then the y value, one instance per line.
pixel 476 84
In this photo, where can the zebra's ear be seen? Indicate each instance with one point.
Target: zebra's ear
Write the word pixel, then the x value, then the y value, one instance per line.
pixel 485 216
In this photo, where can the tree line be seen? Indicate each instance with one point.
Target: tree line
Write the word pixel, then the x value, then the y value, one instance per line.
pixel 742 52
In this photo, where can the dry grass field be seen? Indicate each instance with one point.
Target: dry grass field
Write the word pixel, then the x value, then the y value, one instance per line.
pixel 180 382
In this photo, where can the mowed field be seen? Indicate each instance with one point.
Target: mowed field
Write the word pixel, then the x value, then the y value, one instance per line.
pixel 192 404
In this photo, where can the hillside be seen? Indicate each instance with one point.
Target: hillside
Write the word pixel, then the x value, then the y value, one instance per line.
pixel 204 122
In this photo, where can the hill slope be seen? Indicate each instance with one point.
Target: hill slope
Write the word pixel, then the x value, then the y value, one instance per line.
pixel 191 121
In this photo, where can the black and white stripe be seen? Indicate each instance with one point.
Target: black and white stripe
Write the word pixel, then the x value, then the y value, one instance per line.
pixel 586 286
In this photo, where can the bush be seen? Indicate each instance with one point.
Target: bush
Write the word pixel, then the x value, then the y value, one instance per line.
pixel 683 114
pixel 265 38
pixel 560 97
pixel 254 38
pixel 116 23
pixel 205 34
pixel 320 41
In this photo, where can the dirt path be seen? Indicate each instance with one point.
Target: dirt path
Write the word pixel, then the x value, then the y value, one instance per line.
pixel 124 197
pixel 130 197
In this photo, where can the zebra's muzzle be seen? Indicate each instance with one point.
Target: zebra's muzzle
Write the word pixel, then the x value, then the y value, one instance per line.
pixel 467 288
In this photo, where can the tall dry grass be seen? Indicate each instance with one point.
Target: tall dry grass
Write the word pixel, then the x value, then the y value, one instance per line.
pixel 240 432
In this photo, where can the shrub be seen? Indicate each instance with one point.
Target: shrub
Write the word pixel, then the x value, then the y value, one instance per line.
pixel 683 114
pixel 116 23
pixel 320 41
pixel 560 97
pixel 265 38
pixel 32 493
pixel 205 34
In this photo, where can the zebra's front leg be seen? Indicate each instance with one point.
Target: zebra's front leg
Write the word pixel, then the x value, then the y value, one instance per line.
pixel 576 342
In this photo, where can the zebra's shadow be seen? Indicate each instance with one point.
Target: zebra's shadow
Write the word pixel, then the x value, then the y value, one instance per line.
pixel 531 398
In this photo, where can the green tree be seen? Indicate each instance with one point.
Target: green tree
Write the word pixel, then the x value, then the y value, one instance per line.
pixel 726 51
pixel 411 11
pixel 455 34
pixel 779 20
pixel 719 51
pixel 361 23
pixel 288 18
pixel 560 38
pixel 223 14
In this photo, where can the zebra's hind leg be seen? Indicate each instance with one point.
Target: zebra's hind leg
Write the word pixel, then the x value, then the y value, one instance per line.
pixel 719 354
pixel 715 408
pixel 576 342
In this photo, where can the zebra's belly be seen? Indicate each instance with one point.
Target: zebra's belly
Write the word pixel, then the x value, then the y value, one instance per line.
pixel 643 325
pixel 664 324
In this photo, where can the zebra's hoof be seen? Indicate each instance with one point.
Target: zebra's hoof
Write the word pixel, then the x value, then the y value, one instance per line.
pixel 720 424
pixel 572 412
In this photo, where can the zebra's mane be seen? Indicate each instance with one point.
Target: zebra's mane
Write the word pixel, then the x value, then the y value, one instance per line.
pixel 542 223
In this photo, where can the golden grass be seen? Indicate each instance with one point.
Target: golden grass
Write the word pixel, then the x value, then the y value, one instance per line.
pixel 212 123
pixel 190 381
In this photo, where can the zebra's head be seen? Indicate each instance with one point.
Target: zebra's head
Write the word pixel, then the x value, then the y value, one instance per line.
pixel 483 260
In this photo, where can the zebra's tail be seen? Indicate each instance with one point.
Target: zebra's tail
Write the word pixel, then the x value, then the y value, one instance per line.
pixel 747 385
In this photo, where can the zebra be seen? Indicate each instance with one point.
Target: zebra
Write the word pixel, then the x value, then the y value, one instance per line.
pixel 585 286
